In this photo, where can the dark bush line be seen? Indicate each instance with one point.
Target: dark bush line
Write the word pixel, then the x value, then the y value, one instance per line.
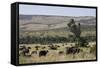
pixel 49 39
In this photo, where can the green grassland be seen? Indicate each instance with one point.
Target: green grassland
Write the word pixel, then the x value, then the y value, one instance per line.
pixel 57 37
pixel 53 55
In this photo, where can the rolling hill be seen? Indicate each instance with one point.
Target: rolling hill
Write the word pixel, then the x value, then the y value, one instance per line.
pixel 46 22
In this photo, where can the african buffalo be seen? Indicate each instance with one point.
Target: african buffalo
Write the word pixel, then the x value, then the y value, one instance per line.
pixel 61 52
pixel 25 51
pixel 72 50
pixel 43 53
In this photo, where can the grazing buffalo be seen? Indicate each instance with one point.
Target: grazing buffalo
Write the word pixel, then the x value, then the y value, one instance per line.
pixel 22 47
pixel 72 50
pixel 29 47
pixel 53 47
pixel 25 51
pixel 58 46
pixel 37 47
pixel 43 53
pixel 43 47
pixel 61 52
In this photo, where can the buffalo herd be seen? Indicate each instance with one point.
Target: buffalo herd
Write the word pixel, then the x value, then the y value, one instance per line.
pixel 25 51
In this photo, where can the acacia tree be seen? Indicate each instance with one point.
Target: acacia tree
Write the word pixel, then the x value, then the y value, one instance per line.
pixel 76 30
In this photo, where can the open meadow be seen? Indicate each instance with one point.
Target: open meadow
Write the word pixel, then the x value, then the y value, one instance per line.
pixel 59 38
pixel 59 54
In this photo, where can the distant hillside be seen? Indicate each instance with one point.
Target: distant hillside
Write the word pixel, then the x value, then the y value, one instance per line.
pixel 45 22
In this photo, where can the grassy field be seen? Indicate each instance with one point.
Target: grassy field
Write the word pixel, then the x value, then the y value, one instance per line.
pixel 60 32
pixel 54 56
pixel 62 37
pixel 87 53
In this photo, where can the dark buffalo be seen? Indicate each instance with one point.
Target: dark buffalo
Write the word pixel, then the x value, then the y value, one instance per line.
pixel 72 50
pixel 43 47
pixel 43 53
pixel 22 47
pixel 25 51
pixel 61 52
pixel 29 47
pixel 53 47
pixel 37 47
